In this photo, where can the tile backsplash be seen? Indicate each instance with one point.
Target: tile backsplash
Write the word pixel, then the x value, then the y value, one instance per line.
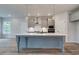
pixel 39 24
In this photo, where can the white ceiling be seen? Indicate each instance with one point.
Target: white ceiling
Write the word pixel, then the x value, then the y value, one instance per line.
pixel 22 10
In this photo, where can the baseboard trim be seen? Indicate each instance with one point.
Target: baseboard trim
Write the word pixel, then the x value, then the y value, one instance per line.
pixel 73 42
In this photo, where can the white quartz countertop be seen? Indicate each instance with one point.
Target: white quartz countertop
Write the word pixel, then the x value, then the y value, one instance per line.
pixel 42 34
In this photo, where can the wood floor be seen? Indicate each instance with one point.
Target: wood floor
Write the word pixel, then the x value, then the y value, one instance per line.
pixel 70 49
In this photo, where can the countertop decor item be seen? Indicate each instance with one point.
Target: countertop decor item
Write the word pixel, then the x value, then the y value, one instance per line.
pixel 31 29
pixel 44 30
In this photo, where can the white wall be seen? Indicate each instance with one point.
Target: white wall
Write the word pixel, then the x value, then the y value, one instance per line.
pixel 72 31
pixel 77 32
pixel 74 26
pixel 0 28
pixel 61 23
pixel 64 25
pixel 18 25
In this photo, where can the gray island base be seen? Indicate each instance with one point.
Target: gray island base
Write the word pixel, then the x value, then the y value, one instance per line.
pixel 40 40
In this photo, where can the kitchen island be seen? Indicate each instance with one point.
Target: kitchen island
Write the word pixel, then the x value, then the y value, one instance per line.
pixel 41 40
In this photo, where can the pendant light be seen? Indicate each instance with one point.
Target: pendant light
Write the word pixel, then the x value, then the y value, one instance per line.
pixel 51 17
pixel 53 11
pixel 49 9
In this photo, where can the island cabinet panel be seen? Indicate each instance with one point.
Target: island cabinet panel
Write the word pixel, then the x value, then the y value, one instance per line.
pixel 41 42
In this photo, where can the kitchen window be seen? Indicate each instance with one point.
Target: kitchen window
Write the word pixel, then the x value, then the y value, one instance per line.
pixel 6 27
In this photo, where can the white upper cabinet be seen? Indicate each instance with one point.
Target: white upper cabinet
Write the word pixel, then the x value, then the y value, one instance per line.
pixel 74 16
